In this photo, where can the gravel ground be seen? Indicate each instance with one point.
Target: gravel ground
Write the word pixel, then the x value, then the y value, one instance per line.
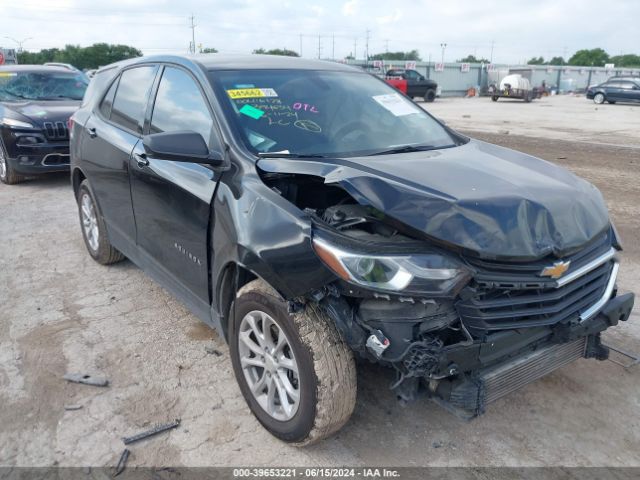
pixel 62 312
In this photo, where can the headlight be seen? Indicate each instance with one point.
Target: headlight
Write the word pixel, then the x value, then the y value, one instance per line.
pixel 416 273
pixel 15 123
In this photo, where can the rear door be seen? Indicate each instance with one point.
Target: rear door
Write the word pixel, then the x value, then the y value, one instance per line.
pixel 110 135
pixel 171 200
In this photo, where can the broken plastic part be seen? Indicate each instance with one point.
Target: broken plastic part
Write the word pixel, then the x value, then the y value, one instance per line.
pixel 377 343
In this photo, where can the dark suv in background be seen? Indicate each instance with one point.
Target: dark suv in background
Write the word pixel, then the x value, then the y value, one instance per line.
pixel 35 105
pixel 309 213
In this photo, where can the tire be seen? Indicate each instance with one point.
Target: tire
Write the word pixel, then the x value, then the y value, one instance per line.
pixel 8 175
pixel 91 220
pixel 599 98
pixel 325 383
pixel 612 102
pixel 494 98
pixel 430 95
pixel 527 97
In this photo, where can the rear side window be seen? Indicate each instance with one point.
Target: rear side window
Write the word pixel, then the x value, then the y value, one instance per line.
pixel 131 97
pixel 107 101
pixel 180 106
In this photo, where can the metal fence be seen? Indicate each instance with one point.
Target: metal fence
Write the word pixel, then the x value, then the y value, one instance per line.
pixel 455 79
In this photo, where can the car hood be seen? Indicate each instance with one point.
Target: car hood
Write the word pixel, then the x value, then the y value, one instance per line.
pixel 495 202
pixel 45 111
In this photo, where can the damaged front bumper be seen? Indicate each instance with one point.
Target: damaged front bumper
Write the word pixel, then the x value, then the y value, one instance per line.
pixel 507 361
pixel 477 369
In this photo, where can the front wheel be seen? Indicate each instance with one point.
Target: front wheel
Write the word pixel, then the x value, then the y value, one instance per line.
pixel 294 370
pixel 494 98
pixel 430 95
pixel 599 98
pixel 7 174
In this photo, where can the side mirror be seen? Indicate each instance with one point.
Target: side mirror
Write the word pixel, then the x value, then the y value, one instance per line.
pixel 181 146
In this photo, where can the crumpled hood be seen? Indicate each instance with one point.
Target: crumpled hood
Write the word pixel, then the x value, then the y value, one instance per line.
pixel 496 202
pixel 46 111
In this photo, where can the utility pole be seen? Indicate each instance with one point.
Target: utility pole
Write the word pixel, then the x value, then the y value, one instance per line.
pixel 443 46
pixel 333 46
pixel 319 46
pixel 301 45
pixel 355 46
pixel 491 57
pixel 386 45
pixel 20 42
pixel 193 35
pixel 366 47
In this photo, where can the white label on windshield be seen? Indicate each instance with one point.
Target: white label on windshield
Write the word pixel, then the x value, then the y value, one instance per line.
pixel 395 104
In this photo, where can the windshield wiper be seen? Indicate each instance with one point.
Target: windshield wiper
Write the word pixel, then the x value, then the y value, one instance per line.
pixel 59 97
pixel 404 149
pixel 289 155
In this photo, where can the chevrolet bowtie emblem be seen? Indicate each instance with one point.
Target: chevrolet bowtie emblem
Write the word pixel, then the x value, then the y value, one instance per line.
pixel 556 270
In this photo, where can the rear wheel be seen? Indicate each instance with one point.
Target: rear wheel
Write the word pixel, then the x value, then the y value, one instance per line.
pixel 494 98
pixel 599 98
pixel 94 230
pixel 294 370
pixel 7 174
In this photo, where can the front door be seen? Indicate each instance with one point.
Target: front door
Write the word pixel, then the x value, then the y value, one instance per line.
pixel 171 200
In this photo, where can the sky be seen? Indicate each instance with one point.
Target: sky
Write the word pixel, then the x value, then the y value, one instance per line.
pixel 513 30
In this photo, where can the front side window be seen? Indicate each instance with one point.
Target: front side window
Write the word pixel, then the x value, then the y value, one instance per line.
pixel 131 97
pixel 180 106
pixel 18 86
pixel 324 113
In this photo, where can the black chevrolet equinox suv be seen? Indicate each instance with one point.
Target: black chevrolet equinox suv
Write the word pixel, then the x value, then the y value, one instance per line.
pixel 313 215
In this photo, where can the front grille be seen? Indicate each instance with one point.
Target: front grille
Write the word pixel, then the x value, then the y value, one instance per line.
pixel 56 130
pixel 514 296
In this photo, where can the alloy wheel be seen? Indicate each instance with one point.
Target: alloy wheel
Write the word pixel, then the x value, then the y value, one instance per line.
pixel 89 221
pixel 3 164
pixel 269 365
pixel 599 98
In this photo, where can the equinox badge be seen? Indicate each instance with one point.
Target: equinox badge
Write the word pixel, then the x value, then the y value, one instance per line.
pixel 556 270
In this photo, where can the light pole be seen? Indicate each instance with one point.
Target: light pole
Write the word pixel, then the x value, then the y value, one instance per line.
pixel 19 42
pixel 443 46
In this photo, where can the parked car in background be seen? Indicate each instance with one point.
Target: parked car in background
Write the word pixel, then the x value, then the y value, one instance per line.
pixel 36 102
pixel 615 90
pixel 412 83
pixel 309 213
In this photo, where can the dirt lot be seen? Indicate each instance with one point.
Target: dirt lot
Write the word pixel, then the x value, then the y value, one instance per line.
pixel 62 312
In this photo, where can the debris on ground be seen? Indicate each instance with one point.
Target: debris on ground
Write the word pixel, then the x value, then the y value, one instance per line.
pixel 212 351
pixel 95 380
pixel 122 462
pixel 154 431
pixel 72 407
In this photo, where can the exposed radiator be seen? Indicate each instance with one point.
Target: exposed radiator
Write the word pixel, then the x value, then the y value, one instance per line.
pixel 503 379
pixel 467 397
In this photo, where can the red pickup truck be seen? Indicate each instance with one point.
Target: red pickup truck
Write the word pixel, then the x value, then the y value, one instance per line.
pixel 412 83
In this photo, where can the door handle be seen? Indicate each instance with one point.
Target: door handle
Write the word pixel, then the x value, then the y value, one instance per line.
pixel 141 159
pixel 92 132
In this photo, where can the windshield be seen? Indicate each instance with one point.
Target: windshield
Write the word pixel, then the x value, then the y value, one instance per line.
pixel 324 113
pixel 20 86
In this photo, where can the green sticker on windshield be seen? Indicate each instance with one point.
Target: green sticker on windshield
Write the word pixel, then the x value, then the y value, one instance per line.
pixel 252 112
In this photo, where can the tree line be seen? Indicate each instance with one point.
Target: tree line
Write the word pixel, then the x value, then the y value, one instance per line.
pixel 100 54
pixel 94 56
pixel 595 57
